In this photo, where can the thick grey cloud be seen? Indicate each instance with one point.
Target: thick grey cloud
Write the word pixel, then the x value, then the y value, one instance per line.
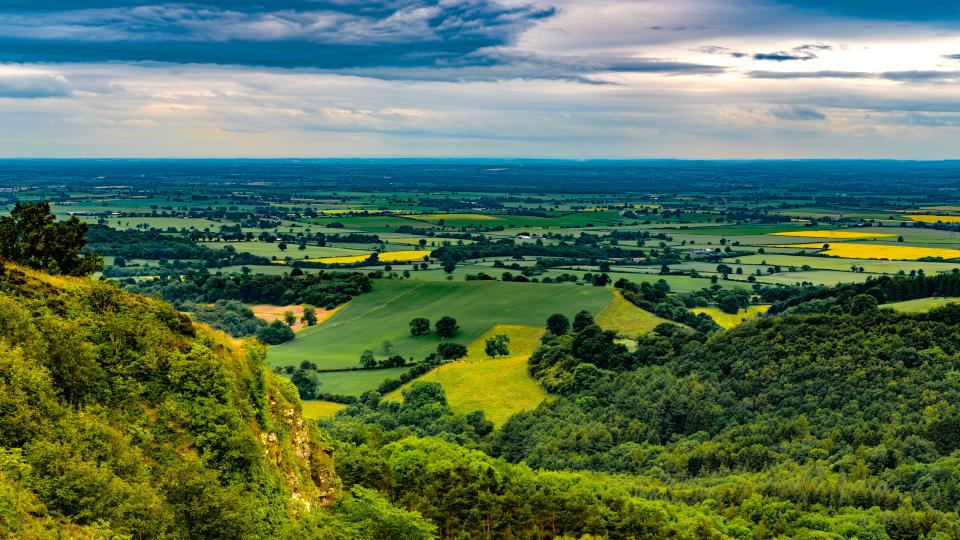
pixel 287 33
pixel 570 78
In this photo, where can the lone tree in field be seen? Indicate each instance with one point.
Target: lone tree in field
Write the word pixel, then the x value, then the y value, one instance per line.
pixel 497 346
pixel 367 359
pixel 558 324
pixel 289 318
pixel 309 316
pixel 31 236
pixel 420 326
pixel 447 327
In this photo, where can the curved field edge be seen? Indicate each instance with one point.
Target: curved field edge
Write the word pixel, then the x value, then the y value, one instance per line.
pixel 500 387
pixel 627 319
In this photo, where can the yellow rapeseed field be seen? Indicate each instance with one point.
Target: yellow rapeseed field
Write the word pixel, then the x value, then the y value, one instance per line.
pixel 879 251
pixel 832 234
pixel 386 257
pixel 934 219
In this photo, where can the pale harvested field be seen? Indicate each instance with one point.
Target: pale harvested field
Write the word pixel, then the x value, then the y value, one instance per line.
pixel 275 313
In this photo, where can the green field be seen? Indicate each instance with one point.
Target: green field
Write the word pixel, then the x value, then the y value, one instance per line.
pixel 385 313
pixel 921 305
pixel 575 219
pixel 835 263
pixel 162 223
pixel 354 383
pixel 499 387
pixel 817 277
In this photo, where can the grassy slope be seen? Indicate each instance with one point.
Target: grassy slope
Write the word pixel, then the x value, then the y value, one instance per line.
pixel 920 305
pixel 626 318
pixel 499 387
pixel 385 313
pixel 728 320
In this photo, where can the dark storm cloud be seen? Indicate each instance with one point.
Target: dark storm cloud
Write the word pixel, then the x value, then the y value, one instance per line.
pixel 286 33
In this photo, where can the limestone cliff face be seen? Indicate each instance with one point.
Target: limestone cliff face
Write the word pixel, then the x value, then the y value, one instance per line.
pixel 120 416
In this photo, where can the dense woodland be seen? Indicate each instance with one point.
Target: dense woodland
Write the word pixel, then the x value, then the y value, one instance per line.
pixel 843 423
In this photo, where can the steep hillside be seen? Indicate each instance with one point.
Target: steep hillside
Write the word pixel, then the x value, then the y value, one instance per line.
pixel 119 416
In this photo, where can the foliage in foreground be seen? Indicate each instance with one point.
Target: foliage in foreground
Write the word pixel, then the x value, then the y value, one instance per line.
pixel 121 418
pixel 31 236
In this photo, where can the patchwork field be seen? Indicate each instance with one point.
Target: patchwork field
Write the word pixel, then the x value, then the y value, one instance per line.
pixel 385 257
pixel 386 312
pixel 879 251
pixel 832 234
pixel 728 320
pixel 627 319
pixel 499 387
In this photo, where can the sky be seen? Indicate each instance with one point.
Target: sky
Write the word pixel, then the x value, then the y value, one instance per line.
pixel 692 79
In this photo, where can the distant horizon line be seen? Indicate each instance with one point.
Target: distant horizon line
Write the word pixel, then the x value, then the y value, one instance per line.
pixel 481 159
